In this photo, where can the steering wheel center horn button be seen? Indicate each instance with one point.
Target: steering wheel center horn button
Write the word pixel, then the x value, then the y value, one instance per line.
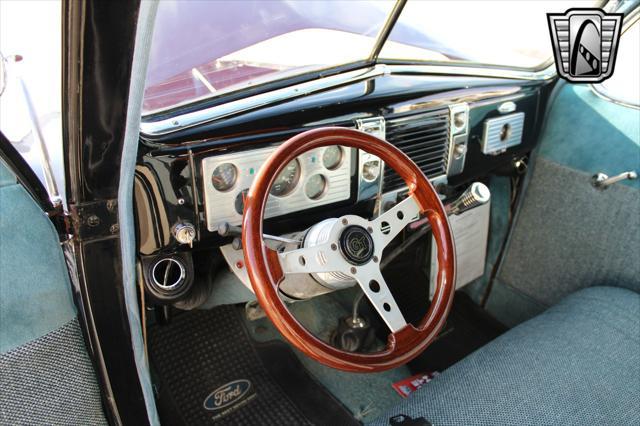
pixel 356 245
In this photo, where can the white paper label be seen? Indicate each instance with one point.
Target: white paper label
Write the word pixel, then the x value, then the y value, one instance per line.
pixel 470 232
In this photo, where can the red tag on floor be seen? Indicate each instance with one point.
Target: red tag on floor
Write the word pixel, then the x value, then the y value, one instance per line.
pixel 410 384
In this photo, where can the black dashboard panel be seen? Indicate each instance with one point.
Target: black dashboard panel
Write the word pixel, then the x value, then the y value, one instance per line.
pixel 169 187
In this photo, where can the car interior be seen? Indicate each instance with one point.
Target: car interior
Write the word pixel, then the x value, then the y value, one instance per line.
pixel 386 244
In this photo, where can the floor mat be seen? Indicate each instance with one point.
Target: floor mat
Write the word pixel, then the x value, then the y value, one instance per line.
pixel 210 372
pixel 468 328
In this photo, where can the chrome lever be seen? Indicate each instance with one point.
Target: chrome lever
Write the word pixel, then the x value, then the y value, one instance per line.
pixel 227 230
pixel 602 181
pixel 474 196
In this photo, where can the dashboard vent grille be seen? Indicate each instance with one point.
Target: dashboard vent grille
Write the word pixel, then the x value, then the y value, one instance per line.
pixel 424 138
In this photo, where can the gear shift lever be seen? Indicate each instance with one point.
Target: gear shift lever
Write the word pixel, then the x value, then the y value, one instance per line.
pixel 476 195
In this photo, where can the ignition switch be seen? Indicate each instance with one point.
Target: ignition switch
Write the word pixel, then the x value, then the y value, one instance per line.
pixel 184 233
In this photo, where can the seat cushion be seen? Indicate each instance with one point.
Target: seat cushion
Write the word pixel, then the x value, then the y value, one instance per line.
pixel 576 363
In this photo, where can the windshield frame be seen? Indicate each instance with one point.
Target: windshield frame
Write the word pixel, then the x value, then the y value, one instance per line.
pixel 153 121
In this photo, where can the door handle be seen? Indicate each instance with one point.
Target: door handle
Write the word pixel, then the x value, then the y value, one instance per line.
pixel 602 181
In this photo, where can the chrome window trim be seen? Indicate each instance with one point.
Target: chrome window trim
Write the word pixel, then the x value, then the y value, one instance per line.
pixel 208 115
pixel 599 90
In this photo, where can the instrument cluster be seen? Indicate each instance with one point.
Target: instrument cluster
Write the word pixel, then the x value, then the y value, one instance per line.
pixel 317 177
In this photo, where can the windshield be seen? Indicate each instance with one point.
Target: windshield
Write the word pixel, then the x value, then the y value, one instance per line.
pixel 512 34
pixel 203 49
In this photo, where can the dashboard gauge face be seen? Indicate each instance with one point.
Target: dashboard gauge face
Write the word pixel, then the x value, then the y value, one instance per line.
pixel 286 180
pixel 238 203
pixel 315 187
pixel 224 177
pixel 332 157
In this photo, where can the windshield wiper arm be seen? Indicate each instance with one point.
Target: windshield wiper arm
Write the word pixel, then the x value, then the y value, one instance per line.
pixel 386 30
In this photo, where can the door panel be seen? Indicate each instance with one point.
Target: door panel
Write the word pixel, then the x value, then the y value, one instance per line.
pixel 569 235
pixel 46 376
pixel 588 133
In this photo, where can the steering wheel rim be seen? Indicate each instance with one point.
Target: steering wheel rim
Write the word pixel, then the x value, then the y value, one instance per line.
pixel 265 266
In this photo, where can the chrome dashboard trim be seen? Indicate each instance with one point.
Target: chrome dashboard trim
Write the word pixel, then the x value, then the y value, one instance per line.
pixel 494 141
pixel 458 138
pixel 377 127
pixel 221 206
pixel 207 115
pixel 447 69
pixel 173 124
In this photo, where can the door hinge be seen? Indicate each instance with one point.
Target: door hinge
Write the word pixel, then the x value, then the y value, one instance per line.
pixel 94 220
pixel 61 221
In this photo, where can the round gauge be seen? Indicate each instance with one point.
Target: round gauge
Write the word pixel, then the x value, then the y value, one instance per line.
pixel 238 203
pixel 315 186
pixel 332 157
pixel 286 180
pixel 224 177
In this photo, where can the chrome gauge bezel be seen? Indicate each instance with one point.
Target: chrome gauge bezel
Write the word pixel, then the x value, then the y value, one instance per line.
pixel 232 184
pixel 325 186
pixel 291 186
pixel 340 158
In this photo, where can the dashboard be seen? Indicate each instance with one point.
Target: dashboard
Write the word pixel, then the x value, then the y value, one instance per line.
pixel 457 129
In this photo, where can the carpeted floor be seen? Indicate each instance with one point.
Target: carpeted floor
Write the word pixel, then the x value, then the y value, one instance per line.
pixel 365 395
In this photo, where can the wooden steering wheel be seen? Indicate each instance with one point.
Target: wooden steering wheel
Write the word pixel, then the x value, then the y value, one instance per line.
pixel 353 246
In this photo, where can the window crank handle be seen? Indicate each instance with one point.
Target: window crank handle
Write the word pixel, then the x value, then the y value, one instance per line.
pixel 602 181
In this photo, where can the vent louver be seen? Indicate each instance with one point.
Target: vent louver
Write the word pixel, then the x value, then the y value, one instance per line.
pixel 424 138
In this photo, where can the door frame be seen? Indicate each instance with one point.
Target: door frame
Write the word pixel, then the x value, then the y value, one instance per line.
pixel 97 46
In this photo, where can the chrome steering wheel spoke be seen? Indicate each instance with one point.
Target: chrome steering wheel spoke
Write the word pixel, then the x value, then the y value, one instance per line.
pixel 352 246
pixel 316 259
pixel 390 223
pixel 372 283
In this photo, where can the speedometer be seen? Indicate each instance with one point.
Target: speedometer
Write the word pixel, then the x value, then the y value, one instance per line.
pixel 286 180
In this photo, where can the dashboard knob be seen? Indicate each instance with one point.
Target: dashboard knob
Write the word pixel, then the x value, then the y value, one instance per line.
pixel 460 119
pixel 460 150
pixel 184 233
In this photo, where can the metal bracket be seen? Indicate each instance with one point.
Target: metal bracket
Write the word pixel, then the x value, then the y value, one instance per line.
pixel 254 311
pixel 95 220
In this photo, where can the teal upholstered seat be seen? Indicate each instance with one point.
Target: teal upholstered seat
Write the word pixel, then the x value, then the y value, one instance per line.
pixel 576 363
pixel 46 376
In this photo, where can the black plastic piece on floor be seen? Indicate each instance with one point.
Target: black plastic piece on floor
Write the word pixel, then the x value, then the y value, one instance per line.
pixel 468 328
pixel 210 372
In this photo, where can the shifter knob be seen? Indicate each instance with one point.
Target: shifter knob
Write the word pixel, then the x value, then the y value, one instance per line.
pixel 474 196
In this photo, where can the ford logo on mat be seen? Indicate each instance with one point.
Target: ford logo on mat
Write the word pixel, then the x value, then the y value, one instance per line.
pixel 227 394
